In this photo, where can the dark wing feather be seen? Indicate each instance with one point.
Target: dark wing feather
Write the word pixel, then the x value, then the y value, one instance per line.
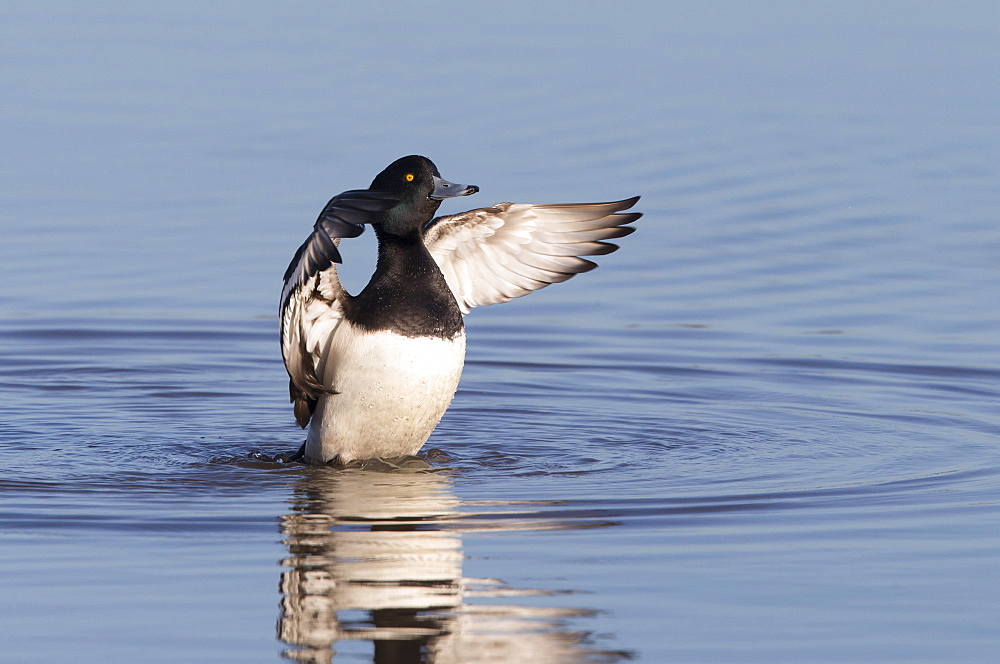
pixel 494 254
pixel 344 216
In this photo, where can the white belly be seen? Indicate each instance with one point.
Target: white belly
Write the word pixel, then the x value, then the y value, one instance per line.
pixel 392 391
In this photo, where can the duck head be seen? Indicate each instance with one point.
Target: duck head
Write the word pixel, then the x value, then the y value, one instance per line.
pixel 418 185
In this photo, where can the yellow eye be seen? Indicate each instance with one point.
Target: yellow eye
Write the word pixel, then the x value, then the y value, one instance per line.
pixel 409 177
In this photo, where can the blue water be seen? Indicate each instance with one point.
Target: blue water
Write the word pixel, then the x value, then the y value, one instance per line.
pixel 766 430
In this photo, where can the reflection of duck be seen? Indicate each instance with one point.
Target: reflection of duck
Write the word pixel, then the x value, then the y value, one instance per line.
pixel 389 545
pixel 357 542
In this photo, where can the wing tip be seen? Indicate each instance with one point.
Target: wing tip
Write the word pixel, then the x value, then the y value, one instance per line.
pixel 623 218
pixel 627 203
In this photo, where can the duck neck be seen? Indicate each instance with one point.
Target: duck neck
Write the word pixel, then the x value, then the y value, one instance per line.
pixel 403 257
pixel 407 294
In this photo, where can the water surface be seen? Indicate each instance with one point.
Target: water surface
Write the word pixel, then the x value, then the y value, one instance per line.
pixel 765 430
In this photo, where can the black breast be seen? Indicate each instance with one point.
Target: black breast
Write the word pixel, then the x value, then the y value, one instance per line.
pixel 407 294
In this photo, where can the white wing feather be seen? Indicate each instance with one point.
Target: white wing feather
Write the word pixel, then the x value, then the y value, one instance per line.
pixel 310 312
pixel 495 254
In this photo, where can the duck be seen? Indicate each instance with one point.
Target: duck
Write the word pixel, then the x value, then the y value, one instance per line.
pixel 372 374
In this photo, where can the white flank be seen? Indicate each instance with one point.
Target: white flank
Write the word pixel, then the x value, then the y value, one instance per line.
pixel 392 391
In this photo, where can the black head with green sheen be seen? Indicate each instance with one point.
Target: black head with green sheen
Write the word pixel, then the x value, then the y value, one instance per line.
pixel 415 180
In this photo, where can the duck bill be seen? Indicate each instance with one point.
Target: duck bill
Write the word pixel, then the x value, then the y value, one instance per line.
pixel 444 189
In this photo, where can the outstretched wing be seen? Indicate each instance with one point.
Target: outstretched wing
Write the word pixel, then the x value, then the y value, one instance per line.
pixel 494 254
pixel 312 296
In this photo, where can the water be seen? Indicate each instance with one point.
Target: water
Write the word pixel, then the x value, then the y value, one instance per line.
pixel 765 430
